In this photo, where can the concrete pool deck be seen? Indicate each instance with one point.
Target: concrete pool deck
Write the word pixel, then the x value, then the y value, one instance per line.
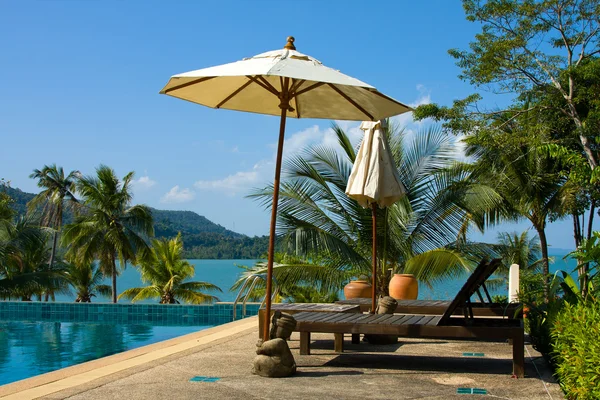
pixel 424 369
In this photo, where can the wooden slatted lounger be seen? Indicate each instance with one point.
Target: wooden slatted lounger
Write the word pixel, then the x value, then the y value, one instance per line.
pixel 445 326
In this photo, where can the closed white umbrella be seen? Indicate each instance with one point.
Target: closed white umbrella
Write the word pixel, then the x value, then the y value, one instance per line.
pixel 283 82
pixel 374 181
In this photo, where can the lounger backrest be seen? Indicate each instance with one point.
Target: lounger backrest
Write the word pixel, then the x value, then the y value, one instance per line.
pixel 483 271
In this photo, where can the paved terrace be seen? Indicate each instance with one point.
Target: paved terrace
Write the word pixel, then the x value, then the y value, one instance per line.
pixel 411 369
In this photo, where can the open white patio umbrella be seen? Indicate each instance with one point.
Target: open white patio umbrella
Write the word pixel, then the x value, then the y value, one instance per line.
pixel 283 82
pixel 374 181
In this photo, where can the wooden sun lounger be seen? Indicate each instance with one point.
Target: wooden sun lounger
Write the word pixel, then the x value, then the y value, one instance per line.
pixel 437 307
pixel 294 308
pixel 444 326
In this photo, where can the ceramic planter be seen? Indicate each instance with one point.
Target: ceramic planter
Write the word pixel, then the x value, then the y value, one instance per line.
pixel 357 289
pixel 404 287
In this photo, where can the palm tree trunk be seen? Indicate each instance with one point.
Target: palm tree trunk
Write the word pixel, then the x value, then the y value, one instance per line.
pixel 545 265
pixel 578 234
pixel 53 252
pixel 591 219
pixel 114 280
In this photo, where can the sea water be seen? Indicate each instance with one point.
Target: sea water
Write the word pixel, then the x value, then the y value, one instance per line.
pixel 224 273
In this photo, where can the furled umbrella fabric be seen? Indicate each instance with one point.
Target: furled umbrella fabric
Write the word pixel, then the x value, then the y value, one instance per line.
pixel 283 82
pixel 374 181
pixel 374 177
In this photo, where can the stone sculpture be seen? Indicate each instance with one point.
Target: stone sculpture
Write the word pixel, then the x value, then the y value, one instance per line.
pixel 386 305
pixel 274 358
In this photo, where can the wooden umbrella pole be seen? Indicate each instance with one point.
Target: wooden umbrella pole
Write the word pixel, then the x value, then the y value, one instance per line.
pixel 284 107
pixel 374 273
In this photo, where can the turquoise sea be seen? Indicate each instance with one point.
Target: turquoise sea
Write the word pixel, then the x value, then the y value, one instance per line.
pixel 224 273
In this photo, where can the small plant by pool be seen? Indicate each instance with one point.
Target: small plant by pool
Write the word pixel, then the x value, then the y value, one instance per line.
pixel 36 337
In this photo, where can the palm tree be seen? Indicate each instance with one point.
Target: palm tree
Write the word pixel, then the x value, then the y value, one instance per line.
pixel 58 189
pixel 24 267
pixel 166 272
pixel 417 235
pixel 86 279
pixel 108 228
pixel 519 249
pixel 531 183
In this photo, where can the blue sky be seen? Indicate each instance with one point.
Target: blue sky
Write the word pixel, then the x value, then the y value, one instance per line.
pixel 80 82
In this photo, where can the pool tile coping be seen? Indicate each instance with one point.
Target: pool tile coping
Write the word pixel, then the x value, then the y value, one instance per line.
pixel 65 378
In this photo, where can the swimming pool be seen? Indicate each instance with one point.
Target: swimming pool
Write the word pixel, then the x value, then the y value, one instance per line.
pixel 38 337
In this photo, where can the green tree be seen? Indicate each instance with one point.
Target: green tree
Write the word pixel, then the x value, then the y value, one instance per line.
pixel 166 272
pixel 418 234
pixel 58 192
pixel 520 249
pixel 86 280
pixel 24 268
pixel 108 228
pixel 526 44
pixel 529 180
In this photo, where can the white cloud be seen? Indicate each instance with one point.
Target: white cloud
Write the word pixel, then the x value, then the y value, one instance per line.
pixel 240 181
pixel 144 182
pixel 177 195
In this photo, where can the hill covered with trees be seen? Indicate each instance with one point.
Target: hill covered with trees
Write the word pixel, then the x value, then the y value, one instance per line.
pixel 202 238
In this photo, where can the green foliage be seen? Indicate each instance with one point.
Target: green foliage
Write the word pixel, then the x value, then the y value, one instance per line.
pixel 500 299
pixel 539 315
pixel 519 249
pixel 57 194
pixel 108 227
pixel 202 238
pixel 24 256
pixel 308 294
pixel 205 239
pixel 576 350
pixel 86 280
pixel 588 254
pixel 166 272
pixel 418 234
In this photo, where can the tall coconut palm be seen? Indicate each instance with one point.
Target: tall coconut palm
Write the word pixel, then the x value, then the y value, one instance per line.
pixel 520 249
pixel 530 181
pixel 417 235
pixel 86 280
pixel 166 273
pixel 58 193
pixel 108 228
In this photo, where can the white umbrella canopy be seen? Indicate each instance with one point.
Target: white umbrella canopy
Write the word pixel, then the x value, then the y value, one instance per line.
pixel 255 84
pixel 283 82
pixel 374 181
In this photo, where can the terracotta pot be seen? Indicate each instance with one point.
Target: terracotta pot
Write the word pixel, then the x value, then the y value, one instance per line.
pixel 404 287
pixel 357 289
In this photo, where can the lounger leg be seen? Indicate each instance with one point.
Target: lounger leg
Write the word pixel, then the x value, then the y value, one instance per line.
pixel 305 343
pixel 338 343
pixel 356 338
pixel 518 344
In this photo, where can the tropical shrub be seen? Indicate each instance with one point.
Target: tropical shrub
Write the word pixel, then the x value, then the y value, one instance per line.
pixel 576 353
pixel 538 314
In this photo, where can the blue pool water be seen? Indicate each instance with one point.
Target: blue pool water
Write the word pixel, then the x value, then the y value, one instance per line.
pixel 32 348
pixel 38 337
